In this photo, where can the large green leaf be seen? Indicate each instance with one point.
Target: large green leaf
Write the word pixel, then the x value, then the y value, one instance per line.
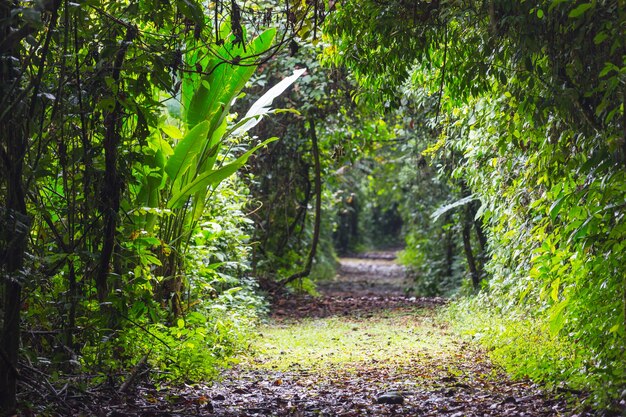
pixel 580 10
pixel 197 59
pixel 209 156
pixel 149 194
pixel 187 151
pixel 261 107
pixel 149 191
pixel 558 316
pixel 210 151
pixel 217 90
pixel 256 47
pixel 213 177
pixel 150 174
pixel 201 106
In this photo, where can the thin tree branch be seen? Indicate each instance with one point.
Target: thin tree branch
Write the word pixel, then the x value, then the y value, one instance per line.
pixel 318 210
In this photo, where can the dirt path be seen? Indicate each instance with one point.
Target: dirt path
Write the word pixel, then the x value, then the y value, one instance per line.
pixel 364 285
pixel 366 349
pixel 363 348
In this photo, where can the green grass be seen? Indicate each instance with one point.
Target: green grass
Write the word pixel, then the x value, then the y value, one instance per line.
pixel 523 346
pixel 350 342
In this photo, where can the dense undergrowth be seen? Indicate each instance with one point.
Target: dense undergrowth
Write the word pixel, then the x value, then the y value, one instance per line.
pixel 556 248
pixel 221 306
pixel 525 347
pixel 123 242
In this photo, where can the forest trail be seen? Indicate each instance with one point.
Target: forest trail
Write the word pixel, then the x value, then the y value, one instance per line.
pixel 363 348
pixel 364 345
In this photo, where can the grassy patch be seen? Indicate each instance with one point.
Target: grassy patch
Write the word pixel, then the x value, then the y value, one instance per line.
pixel 350 342
pixel 523 346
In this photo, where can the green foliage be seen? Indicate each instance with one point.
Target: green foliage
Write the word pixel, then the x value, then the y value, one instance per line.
pixel 397 186
pixel 524 346
pixel 368 192
pixel 197 164
pixel 283 178
pixel 138 239
pixel 198 345
pixel 220 307
pixel 557 247
pixel 211 318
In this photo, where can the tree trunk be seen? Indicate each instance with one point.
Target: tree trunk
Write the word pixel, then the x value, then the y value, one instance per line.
pixel 482 256
pixel 18 223
pixel 475 263
pixel 480 233
pixel 111 191
pixel 467 246
pixel 300 217
pixel 14 222
pixel 17 226
pixel 13 236
pixel 450 246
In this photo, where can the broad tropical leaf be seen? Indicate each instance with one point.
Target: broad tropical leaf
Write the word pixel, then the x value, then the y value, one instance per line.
pixel 444 209
pixel 187 151
pixel 213 177
pixel 215 93
pixel 262 106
